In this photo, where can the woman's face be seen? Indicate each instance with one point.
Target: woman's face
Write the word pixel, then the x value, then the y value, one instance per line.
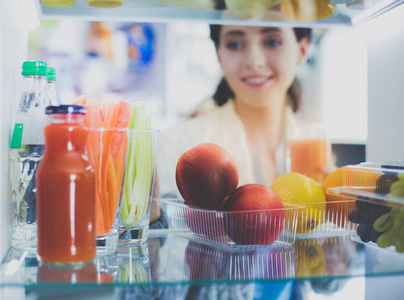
pixel 259 62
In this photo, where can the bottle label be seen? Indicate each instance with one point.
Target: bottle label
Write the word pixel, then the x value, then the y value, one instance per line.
pixel 17 136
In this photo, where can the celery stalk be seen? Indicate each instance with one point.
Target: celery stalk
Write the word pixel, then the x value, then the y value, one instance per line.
pixel 139 171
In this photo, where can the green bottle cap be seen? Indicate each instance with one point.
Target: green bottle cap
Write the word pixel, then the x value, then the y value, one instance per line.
pixel 17 136
pixel 51 74
pixel 34 68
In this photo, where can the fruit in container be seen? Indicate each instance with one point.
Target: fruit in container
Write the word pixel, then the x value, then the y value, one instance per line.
pixel 336 210
pixel 250 8
pixel 256 215
pixel 209 223
pixel 307 10
pixel 296 188
pixel 205 175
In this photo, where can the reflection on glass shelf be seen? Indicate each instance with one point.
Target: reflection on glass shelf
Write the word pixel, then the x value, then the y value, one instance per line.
pixel 312 13
pixel 189 260
pixel 170 259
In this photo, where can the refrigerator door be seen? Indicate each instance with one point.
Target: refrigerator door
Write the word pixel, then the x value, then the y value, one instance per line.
pixel 13 51
pixel 386 89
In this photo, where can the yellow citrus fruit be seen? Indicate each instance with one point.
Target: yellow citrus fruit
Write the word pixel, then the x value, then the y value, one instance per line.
pixel 296 188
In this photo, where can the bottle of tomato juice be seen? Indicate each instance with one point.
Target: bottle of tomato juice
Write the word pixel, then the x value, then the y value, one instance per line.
pixel 66 190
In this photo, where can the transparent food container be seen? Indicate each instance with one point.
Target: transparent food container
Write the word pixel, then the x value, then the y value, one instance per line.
pixel 191 260
pixel 378 193
pixel 233 230
pixel 317 220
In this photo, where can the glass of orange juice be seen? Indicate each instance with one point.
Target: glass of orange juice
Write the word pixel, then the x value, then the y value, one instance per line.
pixel 308 150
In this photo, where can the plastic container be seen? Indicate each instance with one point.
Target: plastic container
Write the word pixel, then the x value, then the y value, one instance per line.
pixel 191 260
pixel 317 220
pixel 378 191
pixel 233 230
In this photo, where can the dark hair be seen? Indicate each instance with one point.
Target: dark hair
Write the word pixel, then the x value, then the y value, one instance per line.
pixel 223 91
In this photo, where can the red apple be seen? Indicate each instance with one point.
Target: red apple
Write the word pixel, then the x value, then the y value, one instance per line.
pixel 205 175
pixel 256 215
pixel 209 223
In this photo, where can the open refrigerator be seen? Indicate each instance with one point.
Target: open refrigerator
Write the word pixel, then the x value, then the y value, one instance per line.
pixel 379 23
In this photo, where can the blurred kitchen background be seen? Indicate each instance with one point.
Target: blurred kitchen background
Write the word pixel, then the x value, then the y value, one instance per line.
pixel 174 69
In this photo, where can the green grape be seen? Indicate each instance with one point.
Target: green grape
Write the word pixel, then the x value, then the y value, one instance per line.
pixel 398 193
pixel 385 240
pixel 398 221
pixel 399 245
pixel 397 185
pixel 383 223
pixel 394 212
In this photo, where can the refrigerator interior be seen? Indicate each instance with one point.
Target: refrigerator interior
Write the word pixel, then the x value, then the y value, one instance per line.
pixel 364 102
pixel 13 51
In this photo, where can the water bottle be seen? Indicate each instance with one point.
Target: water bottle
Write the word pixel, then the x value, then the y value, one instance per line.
pixel 51 86
pixel 26 151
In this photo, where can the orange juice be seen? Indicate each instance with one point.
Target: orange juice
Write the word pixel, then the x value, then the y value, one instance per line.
pixel 308 156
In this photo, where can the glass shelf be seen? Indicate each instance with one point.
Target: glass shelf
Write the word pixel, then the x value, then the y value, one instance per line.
pixel 168 258
pixel 338 13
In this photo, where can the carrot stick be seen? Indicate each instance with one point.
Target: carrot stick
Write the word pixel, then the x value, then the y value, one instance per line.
pixel 109 122
pixel 99 220
pixel 113 186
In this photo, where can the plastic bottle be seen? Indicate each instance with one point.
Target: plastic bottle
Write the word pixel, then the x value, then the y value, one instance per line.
pixel 27 146
pixel 66 190
pixel 51 86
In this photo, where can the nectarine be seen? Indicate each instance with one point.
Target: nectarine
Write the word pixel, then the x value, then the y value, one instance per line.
pixel 257 215
pixel 205 175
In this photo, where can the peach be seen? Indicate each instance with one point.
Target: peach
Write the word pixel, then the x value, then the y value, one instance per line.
pixel 257 215
pixel 205 175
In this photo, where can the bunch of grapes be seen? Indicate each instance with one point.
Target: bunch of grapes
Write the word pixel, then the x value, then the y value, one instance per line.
pixel 391 224
pixel 368 211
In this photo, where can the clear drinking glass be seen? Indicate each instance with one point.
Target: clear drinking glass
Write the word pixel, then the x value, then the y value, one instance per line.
pixel 134 263
pixel 308 150
pixel 107 150
pixel 138 185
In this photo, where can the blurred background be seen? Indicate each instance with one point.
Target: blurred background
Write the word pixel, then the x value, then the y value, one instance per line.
pixel 174 69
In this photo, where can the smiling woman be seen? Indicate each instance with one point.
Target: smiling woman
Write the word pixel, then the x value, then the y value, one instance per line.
pixel 254 103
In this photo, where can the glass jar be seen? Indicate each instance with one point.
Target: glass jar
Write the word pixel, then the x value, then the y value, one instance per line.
pixel 66 190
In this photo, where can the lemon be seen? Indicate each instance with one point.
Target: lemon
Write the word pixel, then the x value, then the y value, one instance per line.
pixel 296 188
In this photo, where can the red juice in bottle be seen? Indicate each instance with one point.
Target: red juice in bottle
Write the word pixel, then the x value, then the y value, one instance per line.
pixel 66 190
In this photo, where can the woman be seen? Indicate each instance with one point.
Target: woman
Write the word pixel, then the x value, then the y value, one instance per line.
pixel 254 103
